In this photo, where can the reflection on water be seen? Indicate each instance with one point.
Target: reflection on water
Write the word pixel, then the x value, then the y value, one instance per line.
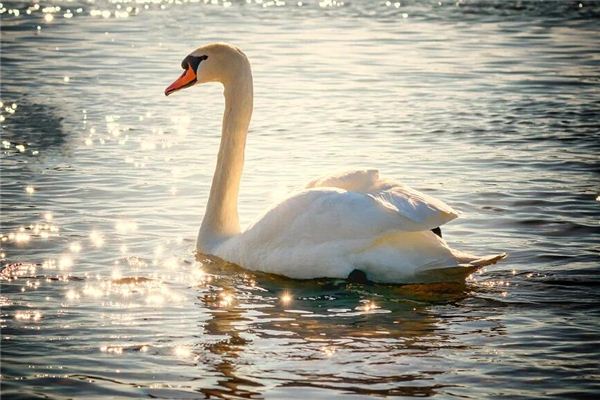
pixel 489 105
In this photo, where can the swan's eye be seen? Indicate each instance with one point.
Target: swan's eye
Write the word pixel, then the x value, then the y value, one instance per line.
pixel 192 61
pixel 187 62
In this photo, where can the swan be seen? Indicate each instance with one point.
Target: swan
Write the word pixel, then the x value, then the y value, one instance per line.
pixel 351 224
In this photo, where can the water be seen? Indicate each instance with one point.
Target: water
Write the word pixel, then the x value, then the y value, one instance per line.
pixel 491 106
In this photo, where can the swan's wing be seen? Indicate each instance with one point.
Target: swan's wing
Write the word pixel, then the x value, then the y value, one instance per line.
pixel 326 214
pixel 425 212
pixel 312 233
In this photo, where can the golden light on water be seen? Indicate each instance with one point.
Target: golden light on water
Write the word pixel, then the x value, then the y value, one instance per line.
pixel 113 293
pixel 328 351
pixel 227 299
pixel 112 349
pixel 28 315
pixel 182 351
pixel 367 306
pixel 286 298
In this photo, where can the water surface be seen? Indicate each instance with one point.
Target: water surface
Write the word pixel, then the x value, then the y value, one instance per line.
pixel 491 106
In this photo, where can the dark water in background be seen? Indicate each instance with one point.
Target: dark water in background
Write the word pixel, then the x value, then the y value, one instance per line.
pixel 492 106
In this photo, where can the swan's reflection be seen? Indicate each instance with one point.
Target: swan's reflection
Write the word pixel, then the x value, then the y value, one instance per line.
pixel 326 335
pixel 224 324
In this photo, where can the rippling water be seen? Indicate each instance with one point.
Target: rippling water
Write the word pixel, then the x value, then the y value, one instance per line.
pixel 492 106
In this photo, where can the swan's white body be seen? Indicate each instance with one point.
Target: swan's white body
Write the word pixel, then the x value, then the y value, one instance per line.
pixel 348 221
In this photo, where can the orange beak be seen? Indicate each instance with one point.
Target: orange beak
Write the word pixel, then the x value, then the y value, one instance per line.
pixel 187 79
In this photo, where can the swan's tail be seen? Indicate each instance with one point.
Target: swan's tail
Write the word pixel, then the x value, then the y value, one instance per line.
pixel 483 261
pixel 461 271
pixel 417 257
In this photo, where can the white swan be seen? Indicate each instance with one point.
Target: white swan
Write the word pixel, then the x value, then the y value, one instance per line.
pixel 354 221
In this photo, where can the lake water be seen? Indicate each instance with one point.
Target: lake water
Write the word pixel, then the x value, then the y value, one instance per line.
pixel 492 106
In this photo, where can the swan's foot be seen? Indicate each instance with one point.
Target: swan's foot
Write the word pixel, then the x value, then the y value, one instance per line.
pixel 437 231
pixel 357 276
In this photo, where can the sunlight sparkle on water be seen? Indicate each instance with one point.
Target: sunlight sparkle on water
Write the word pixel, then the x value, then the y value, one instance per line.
pixel 72 295
pixel 22 237
pixel 182 351
pixel 328 351
pixel 155 299
pixel 75 247
pixel 171 263
pixel 28 315
pixel 97 239
pixel 198 275
pixel 65 262
pixel 29 189
pixel 112 349
pixel 367 306
pixel 92 291
pixel 125 226
pixel 116 274
pixel 226 299
pixel 286 298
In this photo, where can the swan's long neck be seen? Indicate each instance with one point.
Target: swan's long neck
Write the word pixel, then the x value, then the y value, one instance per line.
pixel 221 219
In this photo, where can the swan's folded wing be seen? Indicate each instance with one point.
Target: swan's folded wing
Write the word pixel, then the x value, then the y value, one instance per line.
pixel 423 211
pixel 325 214
pixel 316 230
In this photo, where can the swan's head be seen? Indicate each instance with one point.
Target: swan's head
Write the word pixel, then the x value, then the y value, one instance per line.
pixel 217 62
